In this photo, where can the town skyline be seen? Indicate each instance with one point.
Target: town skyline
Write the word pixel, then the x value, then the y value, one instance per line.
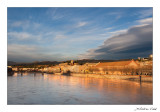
pixel 60 34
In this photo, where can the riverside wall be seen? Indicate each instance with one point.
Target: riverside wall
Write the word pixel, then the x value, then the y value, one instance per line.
pixel 51 70
pixel 122 77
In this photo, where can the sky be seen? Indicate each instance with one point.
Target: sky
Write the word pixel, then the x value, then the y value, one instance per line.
pixel 59 34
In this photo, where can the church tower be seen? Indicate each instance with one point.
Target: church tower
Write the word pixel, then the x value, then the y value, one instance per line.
pixel 72 62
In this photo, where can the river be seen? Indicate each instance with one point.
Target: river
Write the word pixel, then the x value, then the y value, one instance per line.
pixel 48 89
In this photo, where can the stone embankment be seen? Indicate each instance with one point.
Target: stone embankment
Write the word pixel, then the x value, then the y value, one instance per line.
pixel 144 78
pixel 122 77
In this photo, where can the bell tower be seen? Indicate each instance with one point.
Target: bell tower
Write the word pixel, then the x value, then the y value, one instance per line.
pixel 72 62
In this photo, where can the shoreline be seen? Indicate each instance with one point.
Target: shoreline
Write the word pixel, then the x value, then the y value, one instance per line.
pixel 148 79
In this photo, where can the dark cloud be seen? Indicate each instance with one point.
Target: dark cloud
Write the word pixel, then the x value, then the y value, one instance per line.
pixel 136 42
pixel 25 53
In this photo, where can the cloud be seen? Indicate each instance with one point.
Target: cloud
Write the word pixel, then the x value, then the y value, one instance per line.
pixel 60 37
pixel 146 21
pixel 56 13
pixel 145 13
pixel 109 28
pixel 117 15
pixel 17 24
pixel 81 24
pixel 24 25
pixel 22 36
pixel 118 31
pixel 135 42
pixel 25 53
pixel 19 35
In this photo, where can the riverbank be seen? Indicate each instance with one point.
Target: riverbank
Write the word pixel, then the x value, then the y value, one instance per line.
pixel 121 77
pixel 144 78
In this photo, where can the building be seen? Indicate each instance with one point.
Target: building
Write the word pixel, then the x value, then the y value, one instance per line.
pixel 15 69
pixel 130 63
pixel 91 64
pixel 118 67
pixel 151 57
pixel 63 64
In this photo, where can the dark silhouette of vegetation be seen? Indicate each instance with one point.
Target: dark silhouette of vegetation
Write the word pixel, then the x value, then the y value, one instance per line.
pixel 68 73
pixel 10 72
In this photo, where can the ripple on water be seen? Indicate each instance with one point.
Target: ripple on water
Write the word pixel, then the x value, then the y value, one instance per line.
pixel 54 89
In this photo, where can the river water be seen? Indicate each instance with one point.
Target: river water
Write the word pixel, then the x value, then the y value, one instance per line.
pixel 47 89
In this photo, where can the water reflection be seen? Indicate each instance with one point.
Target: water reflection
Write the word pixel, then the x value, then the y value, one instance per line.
pixel 56 89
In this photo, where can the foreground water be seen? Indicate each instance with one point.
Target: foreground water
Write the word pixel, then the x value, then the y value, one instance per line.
pixel 47 89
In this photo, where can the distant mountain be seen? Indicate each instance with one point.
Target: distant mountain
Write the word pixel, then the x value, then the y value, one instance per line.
pixel 10 63
pixel 46 63
pixel 39 63
pixel 83 61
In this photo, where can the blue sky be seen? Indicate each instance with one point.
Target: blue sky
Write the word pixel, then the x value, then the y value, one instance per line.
pixel 57 34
